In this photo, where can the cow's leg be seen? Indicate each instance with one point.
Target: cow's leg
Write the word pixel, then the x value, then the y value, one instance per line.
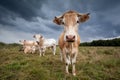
pixel 61 56
pixel 40 51
pixel 67 63
pixel 43 52
pixel 54 49
pixel 66 57
pixel 25 50
pixel 74 55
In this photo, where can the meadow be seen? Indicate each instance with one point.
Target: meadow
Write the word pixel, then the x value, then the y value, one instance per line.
pixel 93 63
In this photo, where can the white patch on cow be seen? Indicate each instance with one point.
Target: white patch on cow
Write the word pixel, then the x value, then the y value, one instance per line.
pixel 67 51
pixel 70 31
pixel 73 60
pixel 68 59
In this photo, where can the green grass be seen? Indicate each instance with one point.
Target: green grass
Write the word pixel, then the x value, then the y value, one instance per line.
pixel 93 63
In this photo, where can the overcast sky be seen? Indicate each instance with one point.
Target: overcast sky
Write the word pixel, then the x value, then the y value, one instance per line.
pixel 21 19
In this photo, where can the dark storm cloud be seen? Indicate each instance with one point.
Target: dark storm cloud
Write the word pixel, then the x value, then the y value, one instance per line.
pixel 24 8
pixel 104 5
pixel 28 17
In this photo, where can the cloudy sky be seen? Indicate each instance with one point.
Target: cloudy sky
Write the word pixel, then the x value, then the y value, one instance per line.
pixel 21 19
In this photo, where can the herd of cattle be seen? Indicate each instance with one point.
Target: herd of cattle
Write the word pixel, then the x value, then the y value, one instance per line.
pixel 40 44
pixel 68 41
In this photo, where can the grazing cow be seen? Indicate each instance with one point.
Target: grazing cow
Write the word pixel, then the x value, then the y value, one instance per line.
pixel 69 40
pixel 45 43
pixel 28 46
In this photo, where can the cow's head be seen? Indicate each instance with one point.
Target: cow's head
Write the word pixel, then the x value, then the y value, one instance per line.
pixel 37 37
pixel 70 20
pixel 22 41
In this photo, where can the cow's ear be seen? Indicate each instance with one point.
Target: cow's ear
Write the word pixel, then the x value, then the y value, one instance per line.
pixel 41 37
pixel 33 36
pixel 58 20
pixel 84 17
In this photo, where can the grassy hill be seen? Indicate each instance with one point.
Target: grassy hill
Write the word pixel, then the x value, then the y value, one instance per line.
pixel 93 63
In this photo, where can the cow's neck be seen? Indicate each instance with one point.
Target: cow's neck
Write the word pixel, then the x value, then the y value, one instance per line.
pixel 41 42
pixel 69 45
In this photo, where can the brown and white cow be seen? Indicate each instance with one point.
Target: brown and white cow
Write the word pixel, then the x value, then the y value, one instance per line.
pixel 28 43
pixel 69 40
pixel 28 46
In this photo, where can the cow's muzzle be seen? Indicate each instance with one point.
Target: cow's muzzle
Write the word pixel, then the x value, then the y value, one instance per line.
pixel 70 38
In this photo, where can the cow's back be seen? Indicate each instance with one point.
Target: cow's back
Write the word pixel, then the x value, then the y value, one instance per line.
pixel 49 42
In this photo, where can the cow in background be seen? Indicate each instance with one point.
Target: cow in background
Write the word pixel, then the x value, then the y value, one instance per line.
pixel 45 43
pixel 28 46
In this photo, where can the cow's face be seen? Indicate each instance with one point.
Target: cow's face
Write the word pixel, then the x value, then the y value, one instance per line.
pixel 22 41
pixel 70 20
pixel 37 37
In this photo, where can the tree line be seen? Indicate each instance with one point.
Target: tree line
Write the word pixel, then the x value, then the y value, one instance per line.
pixel 112 42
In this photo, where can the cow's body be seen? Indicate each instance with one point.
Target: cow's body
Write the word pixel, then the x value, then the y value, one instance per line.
pixel 68 47
pixel 29 49
pixel 48 42
pixel 69 40
pixel 28 43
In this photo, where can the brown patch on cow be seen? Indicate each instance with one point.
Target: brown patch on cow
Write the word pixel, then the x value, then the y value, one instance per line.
pixel 84 17
pixel 58 20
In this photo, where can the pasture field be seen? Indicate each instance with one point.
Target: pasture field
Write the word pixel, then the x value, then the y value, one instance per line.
pixel 93 63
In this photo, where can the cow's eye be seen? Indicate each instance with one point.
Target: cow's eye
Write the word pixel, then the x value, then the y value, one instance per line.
pixel 77 21
pixel 63 23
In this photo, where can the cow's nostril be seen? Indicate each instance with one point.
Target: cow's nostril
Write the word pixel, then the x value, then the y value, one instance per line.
pixel 67 37
pixel 70 38
pixel 73 37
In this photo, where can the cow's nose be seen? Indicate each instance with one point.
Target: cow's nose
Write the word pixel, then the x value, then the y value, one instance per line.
pixel 70 38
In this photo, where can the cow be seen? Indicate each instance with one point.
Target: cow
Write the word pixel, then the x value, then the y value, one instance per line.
pixel 29 49
pixel 69 39
pixel 28 46
pixel 28 42
pixel 45 43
